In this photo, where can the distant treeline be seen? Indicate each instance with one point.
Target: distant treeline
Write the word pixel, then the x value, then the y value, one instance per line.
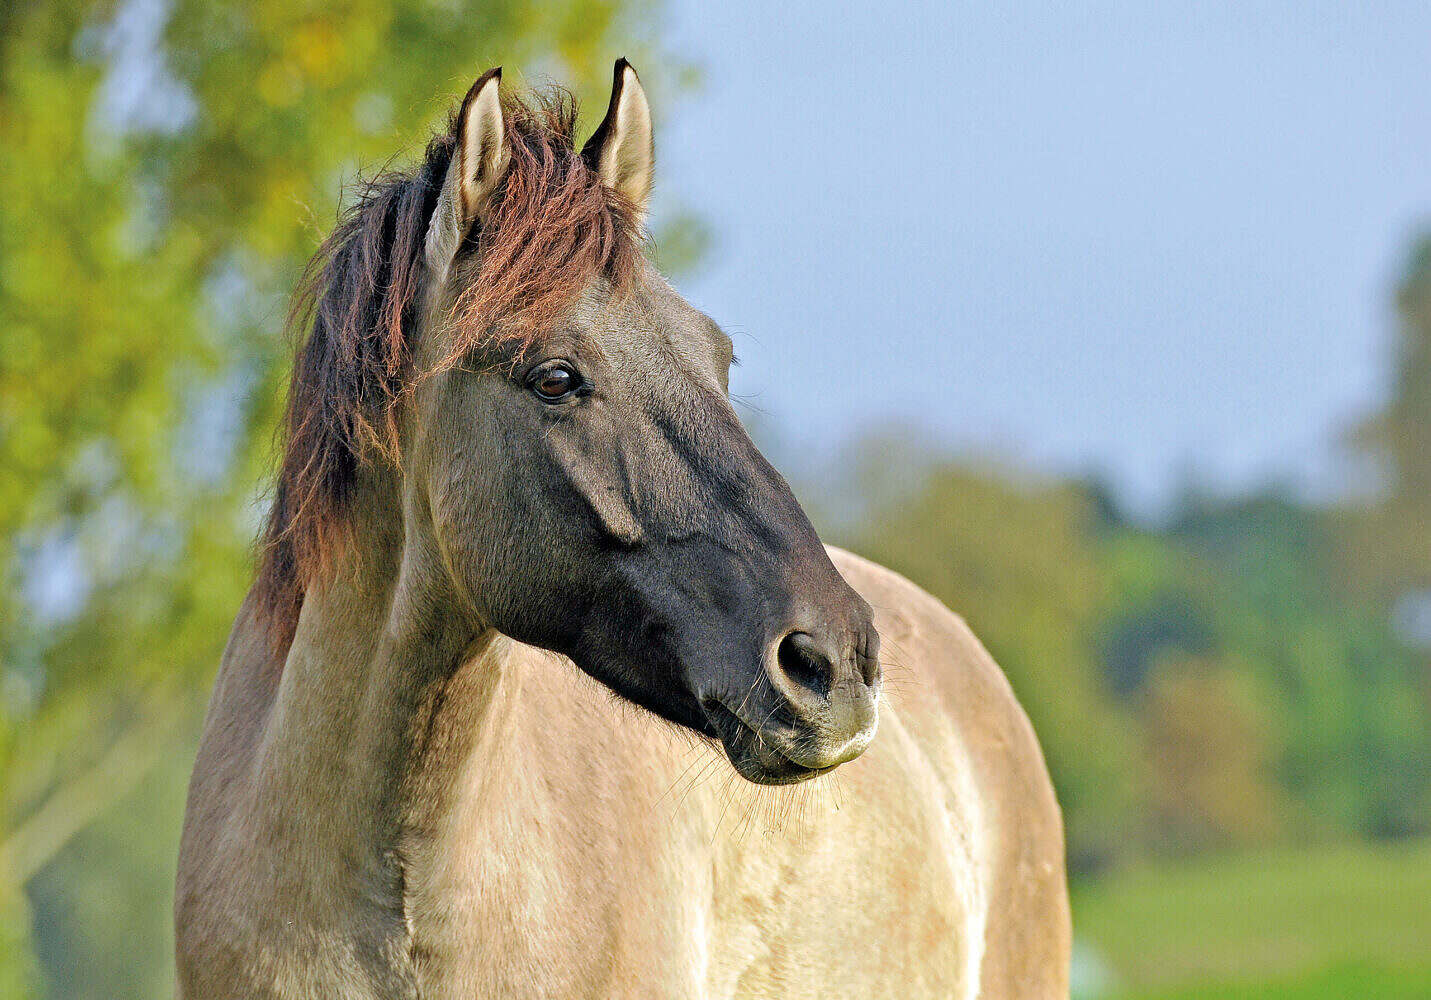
pixel 1254 669
pixel 1212 683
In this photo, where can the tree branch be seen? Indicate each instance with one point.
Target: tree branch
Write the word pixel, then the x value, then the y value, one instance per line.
pixel 79 801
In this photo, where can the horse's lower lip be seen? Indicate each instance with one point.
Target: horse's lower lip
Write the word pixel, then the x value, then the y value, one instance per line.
pixel 754 762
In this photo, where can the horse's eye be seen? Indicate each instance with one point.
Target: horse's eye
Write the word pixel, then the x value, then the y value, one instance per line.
pixel 554 381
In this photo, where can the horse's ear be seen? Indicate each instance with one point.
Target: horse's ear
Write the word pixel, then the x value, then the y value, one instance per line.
pixel 620 150
pixel 479 161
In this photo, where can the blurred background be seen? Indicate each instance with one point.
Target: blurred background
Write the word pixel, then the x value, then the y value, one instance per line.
pixel 1113 330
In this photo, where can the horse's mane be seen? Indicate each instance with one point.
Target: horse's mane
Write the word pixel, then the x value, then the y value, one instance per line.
pixel 552 228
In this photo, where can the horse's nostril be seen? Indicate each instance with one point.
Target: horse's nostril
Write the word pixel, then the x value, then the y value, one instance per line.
pixel 867 655
pixel 804 661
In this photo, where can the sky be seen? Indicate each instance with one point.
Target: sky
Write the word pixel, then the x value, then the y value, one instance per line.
pixel 1154 242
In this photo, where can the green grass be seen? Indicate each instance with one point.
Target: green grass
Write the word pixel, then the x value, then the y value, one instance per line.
pixel 1290 925
pixel 1352 982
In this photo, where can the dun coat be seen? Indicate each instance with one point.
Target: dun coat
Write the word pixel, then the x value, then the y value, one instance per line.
pixel 545 678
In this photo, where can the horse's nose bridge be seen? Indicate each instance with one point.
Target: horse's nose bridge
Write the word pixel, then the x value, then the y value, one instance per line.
pixel 819 631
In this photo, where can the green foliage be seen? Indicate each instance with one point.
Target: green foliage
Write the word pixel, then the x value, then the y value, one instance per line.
pixel 1387 546
pixel 1341 696
pixel 116 875
pixel 167 171
pixel 1209 739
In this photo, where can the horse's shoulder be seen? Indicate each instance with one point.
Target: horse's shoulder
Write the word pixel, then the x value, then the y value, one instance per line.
pixel 918 632
pixel 928 650
pixel 943 683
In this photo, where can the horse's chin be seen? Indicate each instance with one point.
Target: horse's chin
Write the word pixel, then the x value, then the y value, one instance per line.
pixel 753 758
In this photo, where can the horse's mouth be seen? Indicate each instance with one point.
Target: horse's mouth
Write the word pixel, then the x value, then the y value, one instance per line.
pixel 752 755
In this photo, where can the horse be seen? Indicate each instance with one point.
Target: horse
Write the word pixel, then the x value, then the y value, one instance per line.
pixel 544 678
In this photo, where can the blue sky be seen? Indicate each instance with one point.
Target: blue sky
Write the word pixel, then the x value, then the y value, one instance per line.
pixel 1150 240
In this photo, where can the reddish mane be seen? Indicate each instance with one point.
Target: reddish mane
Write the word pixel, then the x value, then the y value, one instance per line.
pixel 553 228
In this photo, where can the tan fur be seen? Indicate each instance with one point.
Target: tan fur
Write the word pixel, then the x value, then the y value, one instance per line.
pixel 395 799
pixel 545 840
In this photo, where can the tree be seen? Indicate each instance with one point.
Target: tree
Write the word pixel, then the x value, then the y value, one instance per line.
pixel 167 170
pixel 1389 547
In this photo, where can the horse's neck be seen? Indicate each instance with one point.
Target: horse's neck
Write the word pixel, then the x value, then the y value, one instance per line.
pixel 352 753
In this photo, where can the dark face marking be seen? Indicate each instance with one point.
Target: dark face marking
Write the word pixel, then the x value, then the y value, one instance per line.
pixel 597 496
pixel 492 363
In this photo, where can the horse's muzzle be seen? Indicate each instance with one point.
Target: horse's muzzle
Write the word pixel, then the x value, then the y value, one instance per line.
pixel 816 709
